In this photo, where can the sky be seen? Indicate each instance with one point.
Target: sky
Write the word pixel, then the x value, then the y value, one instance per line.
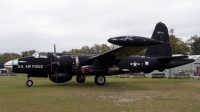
pixel 70 24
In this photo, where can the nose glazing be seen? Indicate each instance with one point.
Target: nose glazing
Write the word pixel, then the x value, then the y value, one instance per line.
pixel 9 65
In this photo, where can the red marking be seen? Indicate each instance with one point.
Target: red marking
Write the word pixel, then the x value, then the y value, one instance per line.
pixel 87 70
pixel 51 65
pixel 52 75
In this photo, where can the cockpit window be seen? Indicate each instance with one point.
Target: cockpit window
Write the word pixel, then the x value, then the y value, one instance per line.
pixel 36 55
pixel 40 55
pixel 43 55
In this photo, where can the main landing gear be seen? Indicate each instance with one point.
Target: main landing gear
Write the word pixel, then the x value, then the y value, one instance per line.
pixel 80 78
pixel 100 80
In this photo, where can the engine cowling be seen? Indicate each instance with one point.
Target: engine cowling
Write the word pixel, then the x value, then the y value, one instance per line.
pixel 68 62
pixel 60 77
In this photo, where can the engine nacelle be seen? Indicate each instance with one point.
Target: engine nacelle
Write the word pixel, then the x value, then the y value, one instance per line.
pixel 99 70
pixel 60 77
pixel 69 62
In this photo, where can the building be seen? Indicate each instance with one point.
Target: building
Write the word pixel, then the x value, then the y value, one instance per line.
pixel 3 70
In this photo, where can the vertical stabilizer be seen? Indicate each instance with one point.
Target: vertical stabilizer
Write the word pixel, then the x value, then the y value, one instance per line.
pixel 160 33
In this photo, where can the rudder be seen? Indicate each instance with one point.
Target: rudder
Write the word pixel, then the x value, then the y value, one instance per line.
pixel 162 50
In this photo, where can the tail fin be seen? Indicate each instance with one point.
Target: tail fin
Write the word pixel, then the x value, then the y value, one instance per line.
pixel 162 50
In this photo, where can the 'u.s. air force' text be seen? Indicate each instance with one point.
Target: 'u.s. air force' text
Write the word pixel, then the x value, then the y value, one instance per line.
pixel 30 66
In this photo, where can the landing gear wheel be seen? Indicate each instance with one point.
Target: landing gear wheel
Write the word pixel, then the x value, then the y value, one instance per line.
pixel 80 78
pixel 100 80
pixel 29 83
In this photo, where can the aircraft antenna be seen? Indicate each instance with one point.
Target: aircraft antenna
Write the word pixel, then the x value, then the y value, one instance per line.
pixel 171 31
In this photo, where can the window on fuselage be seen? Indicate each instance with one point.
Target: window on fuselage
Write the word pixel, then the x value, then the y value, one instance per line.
pixel 40 55
pixel 36 55
pixel 43 55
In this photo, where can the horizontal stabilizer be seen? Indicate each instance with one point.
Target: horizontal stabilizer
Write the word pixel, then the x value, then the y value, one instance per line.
pixel 169 58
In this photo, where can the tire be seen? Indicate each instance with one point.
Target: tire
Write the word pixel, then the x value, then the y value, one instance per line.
pixel 80 78
pixel 29 83
pixel 100 80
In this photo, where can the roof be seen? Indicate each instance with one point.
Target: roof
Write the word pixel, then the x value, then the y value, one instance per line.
pixel 194 56
pixel 3 69
pixel 189 56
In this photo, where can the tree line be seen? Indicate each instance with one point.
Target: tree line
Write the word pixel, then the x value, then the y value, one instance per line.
pixel 191 46
pixel 178 46
pixel 95 49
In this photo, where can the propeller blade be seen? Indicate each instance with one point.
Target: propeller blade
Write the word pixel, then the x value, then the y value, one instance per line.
pixel 55 58
pixel 55 51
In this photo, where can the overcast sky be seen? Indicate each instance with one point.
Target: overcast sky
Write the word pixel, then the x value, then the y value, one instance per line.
pixel 38 24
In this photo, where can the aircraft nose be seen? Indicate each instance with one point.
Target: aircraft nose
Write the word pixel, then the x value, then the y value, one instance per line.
pixel 9 65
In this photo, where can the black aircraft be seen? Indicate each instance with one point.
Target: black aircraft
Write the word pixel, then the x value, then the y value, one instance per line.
pixel 60 67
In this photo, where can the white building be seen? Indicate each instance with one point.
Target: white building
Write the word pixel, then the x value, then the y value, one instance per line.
pixel 3 70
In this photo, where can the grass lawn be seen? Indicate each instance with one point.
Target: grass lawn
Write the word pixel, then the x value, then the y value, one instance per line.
pixel 117 95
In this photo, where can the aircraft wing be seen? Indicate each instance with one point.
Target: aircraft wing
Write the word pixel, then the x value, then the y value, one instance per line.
pixel 120 53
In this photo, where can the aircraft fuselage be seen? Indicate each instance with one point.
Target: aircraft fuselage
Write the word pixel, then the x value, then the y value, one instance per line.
pixel 74 64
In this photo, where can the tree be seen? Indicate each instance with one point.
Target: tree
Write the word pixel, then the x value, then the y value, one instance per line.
pixel 85 49
pixel 74 51
pixel 178 46
pixel 112 46
pixel 194 43
pixel 104 48
pixel 24 53
pixel 28 53
pixel 31 52
pixel 15 56
pixel 95 49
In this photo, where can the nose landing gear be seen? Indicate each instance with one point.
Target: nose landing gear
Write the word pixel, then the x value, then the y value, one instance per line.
pixel 29 83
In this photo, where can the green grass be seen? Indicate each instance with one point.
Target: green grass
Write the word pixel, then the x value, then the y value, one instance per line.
pixel 118 94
